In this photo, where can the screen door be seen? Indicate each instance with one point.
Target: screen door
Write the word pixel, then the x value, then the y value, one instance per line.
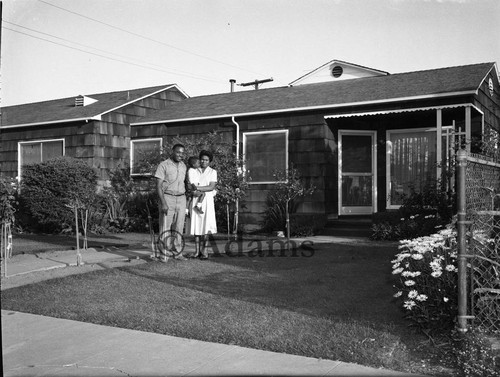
pixel 356 172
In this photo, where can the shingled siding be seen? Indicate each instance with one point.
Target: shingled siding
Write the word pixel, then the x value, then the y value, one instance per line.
pixel 489 104
pixel 312 150
pixel 103 144
pixel 111 149
pixel 74 133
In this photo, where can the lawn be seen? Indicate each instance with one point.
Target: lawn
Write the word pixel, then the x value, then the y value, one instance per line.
pixel 336 304
pixel 36 243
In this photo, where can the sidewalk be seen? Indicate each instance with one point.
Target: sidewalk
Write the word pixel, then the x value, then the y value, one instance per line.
pixel 35 345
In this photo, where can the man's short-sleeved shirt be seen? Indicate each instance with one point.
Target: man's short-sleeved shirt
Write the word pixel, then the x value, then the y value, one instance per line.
pixel 172 175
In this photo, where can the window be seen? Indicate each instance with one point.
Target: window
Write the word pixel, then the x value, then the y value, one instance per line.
pixel 140 150
pixel 411 163
pixel 265 153
pixel 31 152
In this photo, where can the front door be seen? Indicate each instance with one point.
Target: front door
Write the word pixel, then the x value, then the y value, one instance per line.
pixel 357 167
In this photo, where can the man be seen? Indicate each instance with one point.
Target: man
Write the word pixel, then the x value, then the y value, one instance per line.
pixel 170 186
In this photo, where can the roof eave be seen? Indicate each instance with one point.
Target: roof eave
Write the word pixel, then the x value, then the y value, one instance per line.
pixel 146 96
pixel 308 108
pixel 51 122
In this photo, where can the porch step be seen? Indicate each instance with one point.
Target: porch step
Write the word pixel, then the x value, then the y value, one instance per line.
pixel 348 226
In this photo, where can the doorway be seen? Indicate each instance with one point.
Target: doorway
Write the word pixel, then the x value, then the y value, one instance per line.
pixel 357 168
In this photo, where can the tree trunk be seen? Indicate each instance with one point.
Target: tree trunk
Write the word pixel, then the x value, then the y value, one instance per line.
pixel 85 238
pixel 78 255
pixel 236 219
pixel 228 222
pixel 287 226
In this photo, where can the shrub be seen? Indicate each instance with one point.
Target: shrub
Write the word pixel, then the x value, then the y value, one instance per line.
pixel 290 186
pixel 426 268
pixel 8 188
pixel 421 214
pixel 305 225
pixel 49 189
pixel 474 355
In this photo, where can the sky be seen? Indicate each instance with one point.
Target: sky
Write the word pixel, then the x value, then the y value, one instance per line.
pixel 61 48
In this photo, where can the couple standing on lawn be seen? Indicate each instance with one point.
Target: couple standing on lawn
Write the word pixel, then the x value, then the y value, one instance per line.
pixel 186 190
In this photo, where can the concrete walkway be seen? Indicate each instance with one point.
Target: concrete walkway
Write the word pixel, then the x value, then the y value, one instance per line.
pixel 34 345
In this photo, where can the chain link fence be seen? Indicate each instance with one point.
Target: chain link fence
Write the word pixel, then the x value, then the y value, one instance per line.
pixel 482 215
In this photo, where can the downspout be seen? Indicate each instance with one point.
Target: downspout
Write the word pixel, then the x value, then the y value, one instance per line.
pixel 237 136
pixel 237 205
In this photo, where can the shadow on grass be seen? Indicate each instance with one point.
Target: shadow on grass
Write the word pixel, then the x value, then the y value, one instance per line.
pixel 338 280
pixel 36 243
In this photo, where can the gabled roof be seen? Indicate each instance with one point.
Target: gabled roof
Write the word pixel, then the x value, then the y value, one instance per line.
pixel 348 71
pixel 435 83
pixel 64 110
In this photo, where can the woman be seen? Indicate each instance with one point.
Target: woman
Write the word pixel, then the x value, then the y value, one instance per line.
pixel 203 221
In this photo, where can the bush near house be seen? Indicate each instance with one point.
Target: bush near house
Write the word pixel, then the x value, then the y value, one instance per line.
pixel 8 199
pixel 127 205
pixel 421 214
pixel 49 189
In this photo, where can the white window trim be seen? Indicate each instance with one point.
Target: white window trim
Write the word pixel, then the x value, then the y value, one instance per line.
pixel 388 160
pixel 132 142
pixel 21 143
pixel 262 133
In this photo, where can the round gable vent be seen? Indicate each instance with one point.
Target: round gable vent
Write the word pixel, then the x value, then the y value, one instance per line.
pixel 337 71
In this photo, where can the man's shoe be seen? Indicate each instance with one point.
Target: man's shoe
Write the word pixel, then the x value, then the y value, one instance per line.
pixel 163 259
pixel 180 257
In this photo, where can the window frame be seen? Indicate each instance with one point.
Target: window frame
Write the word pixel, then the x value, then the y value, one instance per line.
pixel 132 142
pixel 388 158
pixel 252 133
pixel 41 142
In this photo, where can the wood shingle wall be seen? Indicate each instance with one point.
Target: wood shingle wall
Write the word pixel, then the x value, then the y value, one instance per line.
pixel 104 144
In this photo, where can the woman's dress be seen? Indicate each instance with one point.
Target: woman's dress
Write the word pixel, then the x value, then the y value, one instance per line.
pixel 204 223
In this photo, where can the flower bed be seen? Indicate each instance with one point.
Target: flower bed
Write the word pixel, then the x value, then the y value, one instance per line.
pixel 426 268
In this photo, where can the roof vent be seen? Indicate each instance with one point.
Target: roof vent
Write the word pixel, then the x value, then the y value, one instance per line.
pixel 84 101
pixel 337 71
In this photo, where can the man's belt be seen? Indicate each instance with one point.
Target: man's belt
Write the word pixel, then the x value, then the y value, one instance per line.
pixel 167 193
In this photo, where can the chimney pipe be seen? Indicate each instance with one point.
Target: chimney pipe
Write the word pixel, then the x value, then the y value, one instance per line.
pixel 232 81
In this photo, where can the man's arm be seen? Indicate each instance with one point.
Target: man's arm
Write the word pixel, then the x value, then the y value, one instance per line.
pixel 159 190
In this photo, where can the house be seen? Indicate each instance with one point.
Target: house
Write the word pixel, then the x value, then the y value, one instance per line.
pixel 363 137
pixel 95 128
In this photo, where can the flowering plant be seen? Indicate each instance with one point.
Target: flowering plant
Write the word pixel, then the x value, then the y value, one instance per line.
pixel 8 188
pixel 426 268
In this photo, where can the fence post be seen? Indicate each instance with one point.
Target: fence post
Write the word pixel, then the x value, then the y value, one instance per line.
pixel 461 241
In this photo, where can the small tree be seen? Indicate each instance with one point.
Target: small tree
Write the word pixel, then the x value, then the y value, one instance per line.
pixel 7 215
pixel 281 200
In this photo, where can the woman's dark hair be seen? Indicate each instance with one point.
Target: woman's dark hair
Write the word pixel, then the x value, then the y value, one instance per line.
pixel 208 154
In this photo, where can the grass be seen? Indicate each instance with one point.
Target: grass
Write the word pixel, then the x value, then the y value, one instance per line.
pixel 36 243
pixel 336 304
